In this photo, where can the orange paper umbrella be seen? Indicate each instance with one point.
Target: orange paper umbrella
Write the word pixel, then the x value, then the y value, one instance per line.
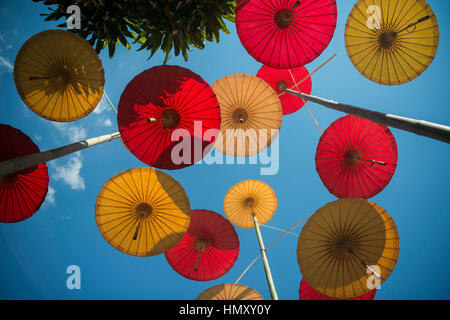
pixel 247 204
pixel 251 115
pixel 348 248
pixel 208 250
pixel 230 291
pixel 21 193
pixel 142 212
pixel 247 198
pixel 59 76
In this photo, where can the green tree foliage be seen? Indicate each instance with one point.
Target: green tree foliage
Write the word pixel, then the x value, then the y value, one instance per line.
pixel 154 24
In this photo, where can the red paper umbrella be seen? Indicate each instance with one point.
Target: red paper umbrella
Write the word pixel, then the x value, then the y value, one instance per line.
pixel 208 250
pixel 306 292
pixel 285 34
pixel 163 115
pixel 356 158
pixel 21 193
pixel 280 79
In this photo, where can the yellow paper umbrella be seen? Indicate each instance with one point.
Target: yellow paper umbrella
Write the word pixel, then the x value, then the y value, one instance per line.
pixel 247 197
pixel 229 291
pixel 142 212
pixel 59 76
pixel 391 41
pixel 247 204
pixel 348 248
pixel 251 115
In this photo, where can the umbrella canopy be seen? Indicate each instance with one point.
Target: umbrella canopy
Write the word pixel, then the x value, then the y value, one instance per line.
pixel 280 79
pixel 246 197
pixel 306 292
pixel 208 250
pixel 343 244
pixel 391 42
pixel 164 101
pixel 229 291
pixel 251 115
pixel 356 157
pixel 59 76
pixel 142 212
pixel 285 34
pixel 21 193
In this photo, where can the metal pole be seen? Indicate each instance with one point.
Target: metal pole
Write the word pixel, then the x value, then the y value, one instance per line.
pixel 420 127
pixel 273 292
pixel 13 165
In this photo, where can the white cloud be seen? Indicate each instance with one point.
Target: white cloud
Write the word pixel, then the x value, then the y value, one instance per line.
pixel 71 131
pixel 70 173
pixel 6 64
pixel 104 122
pixel 102 106
pixel 50 198
pixel 38 138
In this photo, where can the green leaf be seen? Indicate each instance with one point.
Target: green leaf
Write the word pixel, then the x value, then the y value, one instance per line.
pixel 124 41
pixel 111 49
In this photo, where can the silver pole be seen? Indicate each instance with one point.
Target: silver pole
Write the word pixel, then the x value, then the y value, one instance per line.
pixel 420 127
pixel 273 292
pixel 13 165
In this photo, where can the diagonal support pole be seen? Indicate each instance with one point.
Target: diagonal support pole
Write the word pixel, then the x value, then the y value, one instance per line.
pixel 273 292
pixel 13 165
pixel 424 128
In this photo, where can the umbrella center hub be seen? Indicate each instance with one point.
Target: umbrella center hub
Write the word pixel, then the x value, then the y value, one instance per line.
pixel 281 86
pixel 345 246
pixel 352 157
pixel 170 118
pixel 62 77
pixel 284 17
pixel 249 202
pixel 240 115
pixel 201 244
pixel 144 210
pixel 387 39
pixel 9 178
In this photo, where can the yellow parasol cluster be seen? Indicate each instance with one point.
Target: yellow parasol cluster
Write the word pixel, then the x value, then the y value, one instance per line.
pixel 344 247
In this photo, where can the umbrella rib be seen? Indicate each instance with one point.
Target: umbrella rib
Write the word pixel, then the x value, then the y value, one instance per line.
pixel 131 195
pixel 407 22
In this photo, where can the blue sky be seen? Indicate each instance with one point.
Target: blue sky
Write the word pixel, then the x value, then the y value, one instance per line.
pixel 35 253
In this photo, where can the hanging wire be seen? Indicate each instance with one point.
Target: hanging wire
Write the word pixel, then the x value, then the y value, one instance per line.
pixel 110 103
pixel 294 234
pixel 317 69
pixel 256 259
pixel 304 101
